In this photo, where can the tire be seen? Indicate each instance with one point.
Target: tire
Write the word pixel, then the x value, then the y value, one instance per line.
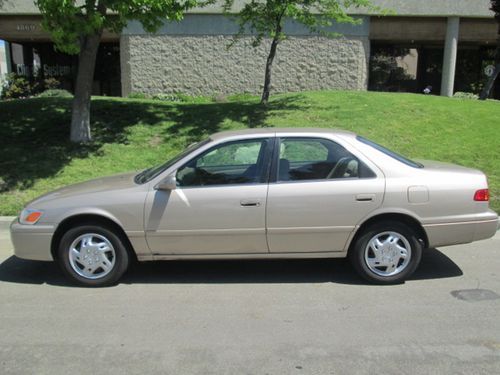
pixel 391 259
pixel 99 257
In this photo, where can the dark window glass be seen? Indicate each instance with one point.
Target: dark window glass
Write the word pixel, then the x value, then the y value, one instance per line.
pixel 238 162
pixel 390 153
pixel 317 159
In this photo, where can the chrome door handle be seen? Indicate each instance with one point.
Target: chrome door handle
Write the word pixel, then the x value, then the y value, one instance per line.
pixel 365 197
pixel 250 203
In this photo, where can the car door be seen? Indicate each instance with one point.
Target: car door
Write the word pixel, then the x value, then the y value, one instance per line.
pixel 218 206
pixel 318 193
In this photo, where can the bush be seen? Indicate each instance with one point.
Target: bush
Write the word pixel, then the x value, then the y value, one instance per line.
pixel 167 97
pixel 465 95
pixel 51 83
pixel 15 86
pixel 137 95
pixel 55 93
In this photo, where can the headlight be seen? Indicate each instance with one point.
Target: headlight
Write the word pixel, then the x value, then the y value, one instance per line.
pixel 30 216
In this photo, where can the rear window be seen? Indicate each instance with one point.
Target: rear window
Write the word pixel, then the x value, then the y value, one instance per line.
pixel 390 153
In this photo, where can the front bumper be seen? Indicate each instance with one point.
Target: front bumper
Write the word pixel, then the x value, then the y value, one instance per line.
pixel 32 241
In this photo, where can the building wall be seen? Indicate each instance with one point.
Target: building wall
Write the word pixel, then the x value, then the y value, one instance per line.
pixel 202 65
pixel 196 61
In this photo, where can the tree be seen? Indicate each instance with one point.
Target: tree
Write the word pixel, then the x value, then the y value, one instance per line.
pixel 495 7
pixel 265 18
pixel 76 28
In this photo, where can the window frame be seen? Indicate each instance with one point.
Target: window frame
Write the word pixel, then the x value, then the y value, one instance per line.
pixel 276 156
pixel 267 153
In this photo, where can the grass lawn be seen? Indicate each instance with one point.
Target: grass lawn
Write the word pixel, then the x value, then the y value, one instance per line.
pixel 130 134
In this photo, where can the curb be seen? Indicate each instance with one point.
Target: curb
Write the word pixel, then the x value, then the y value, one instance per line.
pixel 6 218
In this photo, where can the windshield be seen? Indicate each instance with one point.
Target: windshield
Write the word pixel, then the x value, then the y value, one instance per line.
pixel 150 173
pixel 390 153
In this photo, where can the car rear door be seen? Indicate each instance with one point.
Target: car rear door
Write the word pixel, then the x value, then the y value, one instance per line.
pixel 319 191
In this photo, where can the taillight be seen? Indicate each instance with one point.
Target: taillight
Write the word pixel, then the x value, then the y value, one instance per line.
pixel 482 195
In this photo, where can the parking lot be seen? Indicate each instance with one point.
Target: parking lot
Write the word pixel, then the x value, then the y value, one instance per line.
pixel 254 317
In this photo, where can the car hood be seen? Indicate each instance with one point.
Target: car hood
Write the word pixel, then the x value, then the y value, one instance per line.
pixel 116 182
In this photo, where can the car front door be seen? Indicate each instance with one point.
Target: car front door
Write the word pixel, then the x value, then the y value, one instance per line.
pixel 319 194
pixel 218 206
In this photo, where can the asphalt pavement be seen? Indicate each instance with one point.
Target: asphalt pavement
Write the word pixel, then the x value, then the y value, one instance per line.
pixel 254 317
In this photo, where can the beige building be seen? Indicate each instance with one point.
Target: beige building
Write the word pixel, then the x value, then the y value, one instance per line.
pixel 446 44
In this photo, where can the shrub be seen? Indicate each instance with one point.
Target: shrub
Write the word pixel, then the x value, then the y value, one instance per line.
pixel 51 83
pixel 55 93
pixel 15 86
pixel 465 95
pixel 137 95
pixel 167 97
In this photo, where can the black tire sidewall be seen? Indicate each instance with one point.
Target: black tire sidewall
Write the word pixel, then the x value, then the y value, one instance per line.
pixel 357 255
pixel 121 254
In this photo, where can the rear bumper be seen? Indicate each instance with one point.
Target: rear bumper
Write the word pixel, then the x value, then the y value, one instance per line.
pixel 444 234
pixel 32 241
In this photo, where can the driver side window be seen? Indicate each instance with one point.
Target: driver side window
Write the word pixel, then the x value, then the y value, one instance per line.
pixel 230 163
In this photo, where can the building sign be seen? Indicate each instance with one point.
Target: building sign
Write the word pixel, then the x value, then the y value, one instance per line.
pixel 48 70
pixel 26 27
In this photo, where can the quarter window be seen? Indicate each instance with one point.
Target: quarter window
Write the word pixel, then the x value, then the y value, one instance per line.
pixel 317 159
pixel 238 162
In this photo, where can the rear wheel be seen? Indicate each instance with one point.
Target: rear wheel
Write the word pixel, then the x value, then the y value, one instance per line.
pixel 92 256
pixel 386 253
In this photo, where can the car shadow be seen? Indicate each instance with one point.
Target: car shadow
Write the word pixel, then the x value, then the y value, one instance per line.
pixel 435 265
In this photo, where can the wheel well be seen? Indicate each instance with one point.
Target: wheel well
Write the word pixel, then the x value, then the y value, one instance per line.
pixel 89 219
pixel 402 218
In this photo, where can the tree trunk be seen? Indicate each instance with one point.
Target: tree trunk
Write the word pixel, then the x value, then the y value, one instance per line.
pixel 80 116
pixel 485 94
pixel 269 64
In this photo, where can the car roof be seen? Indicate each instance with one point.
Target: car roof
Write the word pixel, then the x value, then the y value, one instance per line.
pixel 271 131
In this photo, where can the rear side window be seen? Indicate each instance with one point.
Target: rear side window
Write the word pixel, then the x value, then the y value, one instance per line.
pixel 390 153
pixel 302 159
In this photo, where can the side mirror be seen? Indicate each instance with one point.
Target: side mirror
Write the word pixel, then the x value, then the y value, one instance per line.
pixel 168 183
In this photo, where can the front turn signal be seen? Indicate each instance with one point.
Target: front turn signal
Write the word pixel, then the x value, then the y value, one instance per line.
pixel 30 217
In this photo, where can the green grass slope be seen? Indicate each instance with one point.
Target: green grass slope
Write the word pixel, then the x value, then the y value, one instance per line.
pixel 130 134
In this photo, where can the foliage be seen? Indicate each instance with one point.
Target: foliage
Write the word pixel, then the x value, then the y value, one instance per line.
pixel 178 97
pixel 132 134
pixel 69 20
pixel 76 28
pixel 465 95
pixel 51 83
pixel 171 97
pixel 55 93
pixel 167 97
pixel 266 18
pixel 137 95
pixel 16 86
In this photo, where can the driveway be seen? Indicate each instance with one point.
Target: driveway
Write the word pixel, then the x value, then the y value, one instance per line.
pixel 254 317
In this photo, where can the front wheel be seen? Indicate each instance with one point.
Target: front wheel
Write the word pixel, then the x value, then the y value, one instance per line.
pixel 92 256
pixel 386 253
